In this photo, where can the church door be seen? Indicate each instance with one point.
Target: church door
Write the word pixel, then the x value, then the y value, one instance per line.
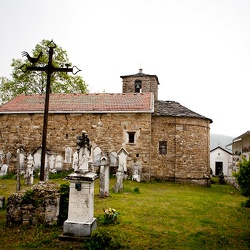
pixel 218 167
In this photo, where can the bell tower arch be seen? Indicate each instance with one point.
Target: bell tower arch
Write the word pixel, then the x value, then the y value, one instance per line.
pixel 140 83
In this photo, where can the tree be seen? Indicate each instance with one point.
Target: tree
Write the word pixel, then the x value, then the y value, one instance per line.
pixel 243 178
pixel 31 82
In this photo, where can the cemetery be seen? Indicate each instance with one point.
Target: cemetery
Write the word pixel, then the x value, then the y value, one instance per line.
pixel 114 193
pixel 160 215
pixel 117 211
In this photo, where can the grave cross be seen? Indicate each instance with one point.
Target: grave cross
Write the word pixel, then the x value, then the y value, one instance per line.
pixel 48 69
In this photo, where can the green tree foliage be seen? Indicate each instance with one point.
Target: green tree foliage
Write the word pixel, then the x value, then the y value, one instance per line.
pixel 31 82
pixel 243 176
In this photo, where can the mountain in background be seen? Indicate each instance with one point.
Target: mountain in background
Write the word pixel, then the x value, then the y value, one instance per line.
pixel 221 140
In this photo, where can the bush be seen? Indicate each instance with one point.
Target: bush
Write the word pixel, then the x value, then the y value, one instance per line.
pixel 214 180
pixel 243 176
pixel 9 175
pixel 101 240
pixel 246 203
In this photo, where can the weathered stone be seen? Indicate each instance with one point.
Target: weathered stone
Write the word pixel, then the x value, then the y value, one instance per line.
pixel 44 210
pixel 2 201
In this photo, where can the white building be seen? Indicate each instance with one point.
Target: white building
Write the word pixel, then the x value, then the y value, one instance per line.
pixel 220 161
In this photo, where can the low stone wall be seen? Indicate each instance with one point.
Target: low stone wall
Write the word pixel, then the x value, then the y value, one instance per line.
pixel 39 204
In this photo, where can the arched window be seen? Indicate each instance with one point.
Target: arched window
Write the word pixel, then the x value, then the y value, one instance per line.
pixel 138 86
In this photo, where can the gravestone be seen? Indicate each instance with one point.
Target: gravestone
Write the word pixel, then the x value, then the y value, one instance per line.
pixel 1 157
pixel 37 159
pixel 22 161
pixel 3 165
pixel 104 176
pixel 8 156
pixel 4 169
pixel 113 159
pixel 136 176
pixel 29 171
pixel 52 163
pixel 122 159
pixel 46 170
pixel 68 155
pixel 2 201
pixel 75 161
pixel 81 221
pixel 59 162
pixel 122 169
pixel 119 179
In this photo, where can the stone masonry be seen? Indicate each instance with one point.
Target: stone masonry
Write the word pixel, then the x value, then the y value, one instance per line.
pixel 38 205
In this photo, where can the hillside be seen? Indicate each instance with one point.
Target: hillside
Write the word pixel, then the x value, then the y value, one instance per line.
pixel 220 140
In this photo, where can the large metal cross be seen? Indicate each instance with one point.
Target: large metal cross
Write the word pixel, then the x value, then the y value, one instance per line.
pixel 48 69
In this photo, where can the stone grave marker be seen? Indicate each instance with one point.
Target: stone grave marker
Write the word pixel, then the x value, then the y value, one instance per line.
pixel 37 159
pixel 4 169
pixel 8 157
pixel 29 178
pixel 104 176
pixel 22 161
pixel 122 159
pixel 59 162
pixel 68 155
pixel 1 157
pixel 136 176
pixel 81 221
pixel 119 181
pixel 52 163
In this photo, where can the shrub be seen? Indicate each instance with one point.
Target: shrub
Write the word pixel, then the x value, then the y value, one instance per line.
pixel 246 203
pixel 9 175
pixel 102 239
pixel 29 196
pixel 214 180
pixel 243 176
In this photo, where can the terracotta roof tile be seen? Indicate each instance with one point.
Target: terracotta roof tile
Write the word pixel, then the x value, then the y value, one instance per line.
pixel 129 102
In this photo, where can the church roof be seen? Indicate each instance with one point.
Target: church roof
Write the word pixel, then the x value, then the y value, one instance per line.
pixel 98 103
pixel 81 103
pixel 171 108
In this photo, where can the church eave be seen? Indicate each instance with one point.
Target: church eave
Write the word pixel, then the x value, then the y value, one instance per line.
pixel 78 112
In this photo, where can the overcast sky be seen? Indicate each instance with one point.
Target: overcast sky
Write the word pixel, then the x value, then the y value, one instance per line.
pixel 199 49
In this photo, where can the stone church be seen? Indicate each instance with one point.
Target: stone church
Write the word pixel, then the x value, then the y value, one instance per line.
pixel 165 139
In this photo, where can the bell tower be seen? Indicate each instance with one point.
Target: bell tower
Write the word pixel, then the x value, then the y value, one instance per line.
pixel 140 83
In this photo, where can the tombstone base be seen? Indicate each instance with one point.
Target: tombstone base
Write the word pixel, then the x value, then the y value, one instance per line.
pixel 79 229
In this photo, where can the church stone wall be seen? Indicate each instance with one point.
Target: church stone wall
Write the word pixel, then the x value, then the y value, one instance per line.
pixel 187 158
pixel 107 131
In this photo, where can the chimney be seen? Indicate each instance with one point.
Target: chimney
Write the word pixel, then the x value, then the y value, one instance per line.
pixel 140 71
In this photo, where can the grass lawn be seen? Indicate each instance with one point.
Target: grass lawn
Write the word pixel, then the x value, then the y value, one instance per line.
pixel 159 216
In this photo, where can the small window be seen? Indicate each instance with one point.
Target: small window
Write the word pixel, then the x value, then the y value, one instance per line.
pixel 162 147
pixel 131 137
